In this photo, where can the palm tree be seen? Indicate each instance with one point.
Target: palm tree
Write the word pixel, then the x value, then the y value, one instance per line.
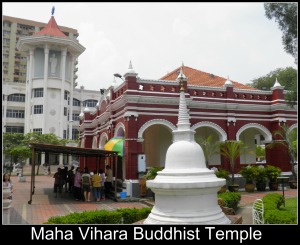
pixel 209 147
pixel 288 139
pixel 231 149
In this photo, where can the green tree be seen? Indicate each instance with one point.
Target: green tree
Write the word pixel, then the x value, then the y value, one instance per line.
pixel 209 147
pixel 10 142
pixel 286 15
pixel 43 139
pixel 20 154
pixel 17 145
pixel 287 77
pixel 232 149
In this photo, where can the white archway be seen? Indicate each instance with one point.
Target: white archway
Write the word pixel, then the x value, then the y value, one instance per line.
pixel 262 129
pixel 222 134
pixel 292 127
pixel 94 145
pixel 103 139
pixel 119 130
pixel 164 122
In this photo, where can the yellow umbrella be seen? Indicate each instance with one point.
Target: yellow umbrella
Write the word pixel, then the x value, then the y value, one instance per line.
pixel 115 144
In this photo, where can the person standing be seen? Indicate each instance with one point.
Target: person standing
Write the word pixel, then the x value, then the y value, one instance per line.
pixel 70 179
pixel 102 194
pixel 96 186
pixel 58 181
pixel 49 171
pixel 7 183
pixel 108 181
pixel 77 185
pixel 86 184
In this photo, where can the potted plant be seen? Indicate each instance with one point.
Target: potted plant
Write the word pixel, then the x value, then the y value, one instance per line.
pixel 151 174
pixel 231 150
pixel 272 173
pixel 248 173
pixel 224 174
pixel 260 178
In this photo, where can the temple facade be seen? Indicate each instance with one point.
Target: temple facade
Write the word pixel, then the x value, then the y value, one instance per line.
pixel 144 112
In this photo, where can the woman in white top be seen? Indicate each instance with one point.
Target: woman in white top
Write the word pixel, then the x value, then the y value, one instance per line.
pixel 8 184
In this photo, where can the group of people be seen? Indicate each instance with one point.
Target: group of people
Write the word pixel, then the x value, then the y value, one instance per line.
pixel 82 183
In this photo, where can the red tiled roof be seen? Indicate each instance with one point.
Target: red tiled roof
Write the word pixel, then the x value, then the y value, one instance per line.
pixel 196 77
pixel 51 29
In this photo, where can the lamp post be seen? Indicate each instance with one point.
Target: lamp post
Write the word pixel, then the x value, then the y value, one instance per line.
pixel 118 75
pixel 283 180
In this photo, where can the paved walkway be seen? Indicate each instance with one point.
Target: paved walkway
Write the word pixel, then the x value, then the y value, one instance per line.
pixel 44 204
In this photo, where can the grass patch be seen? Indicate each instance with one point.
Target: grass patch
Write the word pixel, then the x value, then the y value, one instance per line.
pixel 291 205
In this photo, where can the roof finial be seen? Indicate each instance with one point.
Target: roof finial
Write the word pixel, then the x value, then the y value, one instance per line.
pixel 130 66
pixel 277 84
pixel 52 11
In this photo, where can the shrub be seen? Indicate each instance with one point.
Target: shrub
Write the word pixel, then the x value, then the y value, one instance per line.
pixel 273 212
pixel 152 172
pixel 272 173
pixel 222 173
pixel 125 215
pixel 230 199
pixel 248 173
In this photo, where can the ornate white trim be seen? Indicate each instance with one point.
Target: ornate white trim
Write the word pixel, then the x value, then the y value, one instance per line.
pixel 168 124
pixel 292 127
pixel 102 140
pixel 222 134
pixel 120 125
pixel 262 129
pixel 94 145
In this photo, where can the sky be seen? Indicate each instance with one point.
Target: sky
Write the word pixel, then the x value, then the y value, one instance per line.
pixel 225 39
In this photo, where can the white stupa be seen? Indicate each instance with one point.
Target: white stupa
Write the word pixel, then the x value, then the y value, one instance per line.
pixel 185 191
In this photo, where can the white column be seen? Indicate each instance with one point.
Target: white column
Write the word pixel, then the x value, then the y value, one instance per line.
pixel 46 51
pixel 30 99
pixel 27 98
pixel 71 97
pixel 4 113
pixel 62 92
pixel 43 158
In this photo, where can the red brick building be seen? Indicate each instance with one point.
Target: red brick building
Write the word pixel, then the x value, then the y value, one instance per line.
pixel 144 112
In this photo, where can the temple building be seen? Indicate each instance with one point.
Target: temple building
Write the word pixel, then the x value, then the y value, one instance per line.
pixel 143 113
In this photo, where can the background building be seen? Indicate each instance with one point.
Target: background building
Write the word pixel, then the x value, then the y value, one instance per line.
pixel 38 86
pixel 14 61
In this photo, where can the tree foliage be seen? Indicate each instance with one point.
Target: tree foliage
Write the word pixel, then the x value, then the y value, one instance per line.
pixel 209 147
pixel 232 149
pixel 287 138
pixel 260 152
pixel 17 145
pixel 286 15
pixel 287 77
